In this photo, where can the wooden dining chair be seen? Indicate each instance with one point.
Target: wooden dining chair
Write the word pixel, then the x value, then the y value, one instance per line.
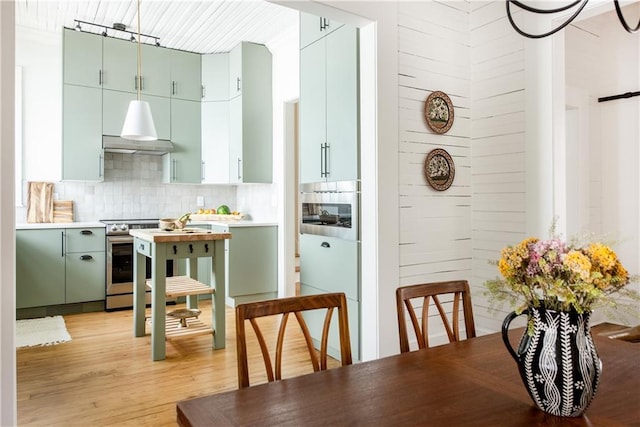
pixel 459 289
pixel 285 306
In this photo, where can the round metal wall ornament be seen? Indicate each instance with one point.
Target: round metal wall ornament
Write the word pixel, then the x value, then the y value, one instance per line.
pixel 439 169
pixel 438 110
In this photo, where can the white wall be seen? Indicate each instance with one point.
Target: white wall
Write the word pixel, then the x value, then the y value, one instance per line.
pixel 499 212
pixel 39 53
pixel 435 226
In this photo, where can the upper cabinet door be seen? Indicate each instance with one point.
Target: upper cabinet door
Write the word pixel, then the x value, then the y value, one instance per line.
pixel 235 71
pixel 82 58
pixel 342 105
pixel 215 77
pixel 312 112
pixel 156 71
pixel 314 27
pixel 186 81
pixel 120 59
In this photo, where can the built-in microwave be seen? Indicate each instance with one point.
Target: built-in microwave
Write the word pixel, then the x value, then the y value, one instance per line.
pixel 330 209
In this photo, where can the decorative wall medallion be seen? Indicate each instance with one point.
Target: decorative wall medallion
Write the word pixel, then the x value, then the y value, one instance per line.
pixel 438 111
pixel 439 169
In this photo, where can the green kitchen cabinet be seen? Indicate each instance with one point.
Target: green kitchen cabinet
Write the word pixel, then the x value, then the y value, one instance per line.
pixel 82 58
pixel 250 115
pixel 114 110
pixel 85 265
pixel 82 155
pixel 156 71
pixel 313 28
pixel 329 132
pixel 215 75
pixel 215 119
pixel 252 262
pixel 186 79
pixel 40 267
pixel 330 264
pixel 59 266
pixel 184 164
pixel 120 62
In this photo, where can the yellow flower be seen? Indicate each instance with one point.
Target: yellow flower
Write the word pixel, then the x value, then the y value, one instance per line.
pixel 579 265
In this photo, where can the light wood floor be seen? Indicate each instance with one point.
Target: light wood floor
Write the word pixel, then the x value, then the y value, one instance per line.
pixel 105 376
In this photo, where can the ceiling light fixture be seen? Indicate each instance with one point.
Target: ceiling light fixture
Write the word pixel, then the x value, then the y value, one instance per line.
pixel 133 39
pixel 581 3
pixel 78 27
pixel 139 125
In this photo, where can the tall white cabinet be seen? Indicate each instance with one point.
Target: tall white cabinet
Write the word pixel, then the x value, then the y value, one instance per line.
pixel 329 151
pixel 328 103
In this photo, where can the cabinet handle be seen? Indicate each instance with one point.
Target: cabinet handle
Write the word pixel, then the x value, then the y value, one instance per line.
pixel 62 243
pixel 175 250
pixel 327 147
pixel 141 82
pixel 100 77
pixel 321 157
pixel 100 166
pixel 86 232
pixel 135 83
pixel 174 87
pixel 326 23
pixel 238 84
pixel 203 91
pixel 321 27
pixel 206 248
pixel 325 245
pixel 174 163
pixel 239 168
pixel 202 172
pixel 190 248
pixel 86 257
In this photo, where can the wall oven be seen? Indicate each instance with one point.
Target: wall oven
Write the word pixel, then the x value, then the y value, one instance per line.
pixel 330 209
pixel 119 263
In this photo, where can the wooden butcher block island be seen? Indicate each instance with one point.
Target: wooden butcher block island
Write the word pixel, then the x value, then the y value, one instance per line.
pixel 190 244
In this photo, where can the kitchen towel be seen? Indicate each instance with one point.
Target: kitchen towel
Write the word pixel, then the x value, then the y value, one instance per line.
pixel 40 202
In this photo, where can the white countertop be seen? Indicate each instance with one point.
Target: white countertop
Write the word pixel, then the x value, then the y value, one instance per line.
pixel 43 225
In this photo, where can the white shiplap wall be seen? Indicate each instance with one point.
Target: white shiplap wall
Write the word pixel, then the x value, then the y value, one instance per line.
pixel 498 146
pixel 435 227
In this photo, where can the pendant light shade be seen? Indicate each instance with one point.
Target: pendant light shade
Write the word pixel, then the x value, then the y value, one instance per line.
pixel 139 125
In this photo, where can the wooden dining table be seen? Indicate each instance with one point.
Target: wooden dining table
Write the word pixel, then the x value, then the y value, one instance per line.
pixel 473 382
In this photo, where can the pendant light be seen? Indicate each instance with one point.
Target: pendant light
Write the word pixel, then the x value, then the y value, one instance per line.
pixel 139 125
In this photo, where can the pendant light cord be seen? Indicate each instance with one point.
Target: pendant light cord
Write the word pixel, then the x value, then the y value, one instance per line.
pixel 139 56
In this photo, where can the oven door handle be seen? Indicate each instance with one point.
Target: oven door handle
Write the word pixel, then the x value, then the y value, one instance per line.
pixel 119 239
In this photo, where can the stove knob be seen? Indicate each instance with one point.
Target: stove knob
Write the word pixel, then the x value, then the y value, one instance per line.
pixel 123 227
pixel 114 227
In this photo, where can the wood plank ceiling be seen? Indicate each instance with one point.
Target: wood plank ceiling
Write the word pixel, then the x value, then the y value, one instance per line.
pixel 205 26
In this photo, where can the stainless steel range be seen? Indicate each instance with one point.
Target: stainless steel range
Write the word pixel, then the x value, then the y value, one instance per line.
pixel 119 274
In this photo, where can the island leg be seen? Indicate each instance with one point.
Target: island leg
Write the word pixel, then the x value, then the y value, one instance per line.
pixel 218 281
pixel 139 278
pixel 158 302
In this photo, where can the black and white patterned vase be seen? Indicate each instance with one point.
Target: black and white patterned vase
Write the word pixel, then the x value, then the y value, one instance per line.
pixel 557 360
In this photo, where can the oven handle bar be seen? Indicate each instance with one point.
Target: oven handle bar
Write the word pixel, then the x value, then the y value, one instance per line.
pixel 120 239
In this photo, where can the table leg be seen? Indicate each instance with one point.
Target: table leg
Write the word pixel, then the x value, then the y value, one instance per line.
pixel 158 303
pixel 139 304
pixel 218 281
pixel 192 271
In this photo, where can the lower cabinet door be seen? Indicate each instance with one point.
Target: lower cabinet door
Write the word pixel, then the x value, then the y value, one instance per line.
pixel 85 277
pixel 253 260
pixel 40 268
pixel 315 322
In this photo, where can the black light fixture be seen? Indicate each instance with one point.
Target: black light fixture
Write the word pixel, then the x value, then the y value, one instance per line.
pixel 104 31
pixel 580 4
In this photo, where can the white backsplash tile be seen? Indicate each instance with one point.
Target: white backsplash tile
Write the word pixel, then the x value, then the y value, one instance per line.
pixel 133 188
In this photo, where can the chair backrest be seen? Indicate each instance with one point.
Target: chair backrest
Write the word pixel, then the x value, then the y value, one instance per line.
pixel 285 306
pixel 427 292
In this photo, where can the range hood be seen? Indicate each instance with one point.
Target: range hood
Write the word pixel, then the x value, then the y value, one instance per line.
pixel 115 144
